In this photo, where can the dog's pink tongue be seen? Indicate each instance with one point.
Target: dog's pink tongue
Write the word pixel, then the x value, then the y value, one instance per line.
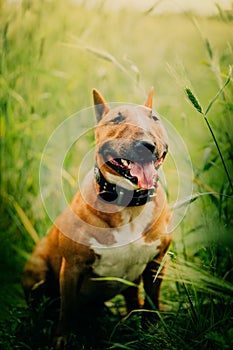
pixel 145 174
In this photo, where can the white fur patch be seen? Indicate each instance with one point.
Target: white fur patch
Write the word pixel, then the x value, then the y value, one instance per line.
pixel 128 257
pixel 127 261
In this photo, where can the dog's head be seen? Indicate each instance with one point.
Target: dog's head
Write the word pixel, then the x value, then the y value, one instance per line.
pixel 131 142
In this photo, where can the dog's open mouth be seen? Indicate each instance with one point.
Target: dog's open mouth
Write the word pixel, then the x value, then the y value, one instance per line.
pixel 142 174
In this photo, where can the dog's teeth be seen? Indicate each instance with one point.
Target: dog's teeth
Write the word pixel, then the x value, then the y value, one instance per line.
pixel 124 162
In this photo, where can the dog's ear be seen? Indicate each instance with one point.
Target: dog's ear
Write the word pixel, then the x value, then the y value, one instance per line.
pixel 101 106
pixel 149 100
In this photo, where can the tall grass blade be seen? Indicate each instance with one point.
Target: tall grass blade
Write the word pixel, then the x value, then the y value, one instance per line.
pixel 108 57
pixel 160 267
pixel 69 178
pixel 151 9
pixel 220 91
pixel 115 279
pixel 198 107
pixel 209 49
pixel 120 346
pixel 26 222
pixel 192 274
pixel 22 216
pixel 104 55
pixel 193 311
pixel 219 152
pixel 192 198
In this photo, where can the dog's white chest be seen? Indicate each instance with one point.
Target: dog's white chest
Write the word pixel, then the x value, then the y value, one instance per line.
pixel 128 257
pixel 127 262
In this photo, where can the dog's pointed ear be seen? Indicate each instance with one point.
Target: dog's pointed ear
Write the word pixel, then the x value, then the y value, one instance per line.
pixel 101 106
pixel 149 100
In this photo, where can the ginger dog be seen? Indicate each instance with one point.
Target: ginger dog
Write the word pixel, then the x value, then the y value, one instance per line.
pixel 117 224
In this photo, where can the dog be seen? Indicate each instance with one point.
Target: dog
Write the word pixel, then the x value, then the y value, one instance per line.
pixel 117 227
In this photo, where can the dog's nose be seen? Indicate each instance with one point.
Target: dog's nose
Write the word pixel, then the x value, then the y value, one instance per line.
pixel 142 147
pixel 143 150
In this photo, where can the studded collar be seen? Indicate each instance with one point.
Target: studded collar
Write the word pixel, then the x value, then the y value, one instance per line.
pixel 117 195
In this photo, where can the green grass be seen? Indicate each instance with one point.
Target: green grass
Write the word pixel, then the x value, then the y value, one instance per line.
pixel 52 54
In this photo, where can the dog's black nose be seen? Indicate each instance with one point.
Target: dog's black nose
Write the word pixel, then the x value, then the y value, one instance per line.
pixel 143 147
pixel 144 150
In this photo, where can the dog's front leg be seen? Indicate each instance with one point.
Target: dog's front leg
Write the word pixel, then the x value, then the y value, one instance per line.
pixel 152 285
pixel 132 298
pixel 70 284
pixel 152 291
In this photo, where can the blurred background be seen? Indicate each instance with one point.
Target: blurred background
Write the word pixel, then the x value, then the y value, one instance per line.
pixel 52 54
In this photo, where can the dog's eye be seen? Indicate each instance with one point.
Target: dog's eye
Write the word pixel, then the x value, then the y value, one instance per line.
pixel 155 118
pixel 118 119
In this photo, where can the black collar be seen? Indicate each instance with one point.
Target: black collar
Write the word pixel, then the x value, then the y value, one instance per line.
pixel 118 195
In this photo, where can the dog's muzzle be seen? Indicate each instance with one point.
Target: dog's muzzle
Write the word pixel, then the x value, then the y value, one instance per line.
pixel 138 163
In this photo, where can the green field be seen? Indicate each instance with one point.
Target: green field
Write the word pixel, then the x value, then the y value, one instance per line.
pixel 52 54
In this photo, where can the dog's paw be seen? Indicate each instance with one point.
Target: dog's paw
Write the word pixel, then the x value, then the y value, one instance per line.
pixel 65 342
pixel 149 321
pixel 61 343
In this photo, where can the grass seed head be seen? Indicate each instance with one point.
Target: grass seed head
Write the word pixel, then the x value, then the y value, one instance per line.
pixel 194 100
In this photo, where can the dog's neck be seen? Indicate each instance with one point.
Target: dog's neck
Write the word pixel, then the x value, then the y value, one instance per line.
pixel 117 195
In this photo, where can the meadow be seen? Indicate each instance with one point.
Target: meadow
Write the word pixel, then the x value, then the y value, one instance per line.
pixel 52 54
